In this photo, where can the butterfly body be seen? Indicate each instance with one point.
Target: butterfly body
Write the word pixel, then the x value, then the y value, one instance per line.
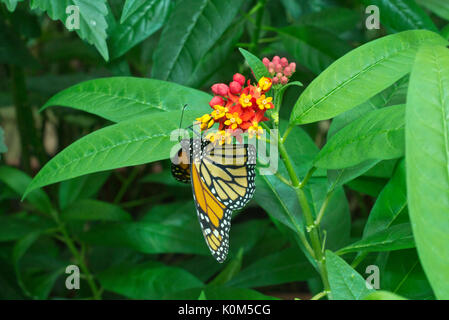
pixel 222 178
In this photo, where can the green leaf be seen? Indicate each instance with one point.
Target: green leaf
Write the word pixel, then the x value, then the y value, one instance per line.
pixel 128 143
pixel 340 177
pixel 123 98
pixel 18 182
pixel 216 57
pixel 88 210
pixel 92 19
pixel 345 282
pixel 396 237
pixel 313 47
pixel 256 65
pixel 360 74
pixel 427 158
pixel 439 7
pixel 383 295
pixel 393 95
pixel 15 226
pixel 179 51
pixel 333 19
pixel 377 135
pixel 229 272
pixel 288 265
pixel 80 188
pixel 11 4
pixel 140 19
pixel 151 280
pixel 3 147
pixel 148 237
pixel 402 274
pixel 401 15
pixel 391 204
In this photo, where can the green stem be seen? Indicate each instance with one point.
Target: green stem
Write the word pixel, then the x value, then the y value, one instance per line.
pixel 80 261
pixel 126 185
pixel 79 258
pixel 29 137
pixel 318 296
pixel 256 34
pixel 323 208
pixel 310 225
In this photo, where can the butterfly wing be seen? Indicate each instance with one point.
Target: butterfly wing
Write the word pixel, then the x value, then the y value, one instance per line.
pixel 180 166
pixel 222 181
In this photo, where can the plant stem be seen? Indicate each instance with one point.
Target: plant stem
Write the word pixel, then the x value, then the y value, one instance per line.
pixel 323 208
pixel 29 137
pixel 312 229
pixel 318 296
pixel 126 185
pixel 79 258
pixel 256 34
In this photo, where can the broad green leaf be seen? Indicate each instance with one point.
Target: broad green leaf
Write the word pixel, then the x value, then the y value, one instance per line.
pixel 18 182
pixel 229 272
pixel 128 143
pixel 383 295
pixel 179 51
pixel 93 25
pixel 17 226
pixel 313 47
pixel 427 158
pixel 394 95
pixel 88 210
pixel 402 274
pixel 345 282
pixel 139 20
pixel 3 147
pixel 216 57
pixel 288 265
pixel 256 65
pixel 80 188
pixel 391 204
pixel 367 185
pixel 377 135
pixel 439 7
pixel 148 237
pixel 151 280
pixel 396 237
pixel 123 98
pixel 11 4
pixel 340 177
pixel 332 19
pixel 360 74
pixel 401 15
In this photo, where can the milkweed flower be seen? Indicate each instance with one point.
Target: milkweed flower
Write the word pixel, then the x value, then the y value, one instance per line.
pixel 280 69
pixel 238 107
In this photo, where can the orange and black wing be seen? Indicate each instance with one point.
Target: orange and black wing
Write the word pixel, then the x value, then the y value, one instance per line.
pixel 222 181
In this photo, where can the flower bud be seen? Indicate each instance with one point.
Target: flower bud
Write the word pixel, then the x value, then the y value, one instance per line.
pixel 275 80
pixel 235 87
pixel 278 67
pixel 284 62
pixel 292 67
pixel 276 59
pixel 271 71
pixel 216 101
pixel 284 80
pixel 220 89
pixel 239 78
pixel 287 72
pixel 279 75
pixel 265 61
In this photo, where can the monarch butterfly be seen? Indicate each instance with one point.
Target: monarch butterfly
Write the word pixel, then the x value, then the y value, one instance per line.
pixel 222 178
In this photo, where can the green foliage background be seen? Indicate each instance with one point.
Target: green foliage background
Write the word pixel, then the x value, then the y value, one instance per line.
pixel 364 147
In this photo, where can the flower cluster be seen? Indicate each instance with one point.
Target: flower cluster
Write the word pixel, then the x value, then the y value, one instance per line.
pixel 279 69
pixel 238 107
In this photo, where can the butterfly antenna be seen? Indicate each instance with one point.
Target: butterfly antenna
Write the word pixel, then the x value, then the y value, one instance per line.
pixel 180 121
